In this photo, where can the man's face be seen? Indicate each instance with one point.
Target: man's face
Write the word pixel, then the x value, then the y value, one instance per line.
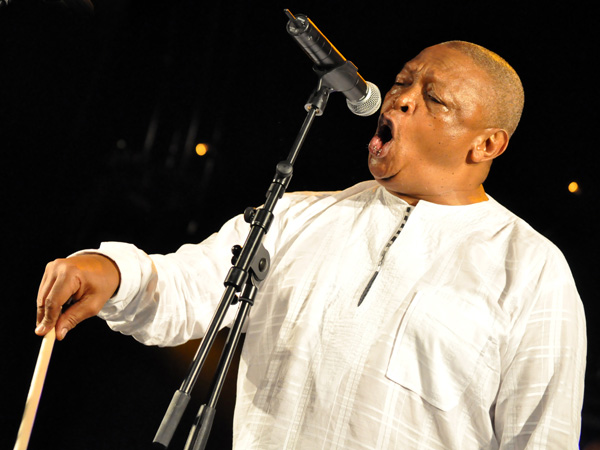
pixel 429 122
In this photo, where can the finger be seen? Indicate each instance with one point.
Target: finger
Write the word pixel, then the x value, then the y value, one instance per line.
pixel 84 309
pixel 45 286
pixel 64 287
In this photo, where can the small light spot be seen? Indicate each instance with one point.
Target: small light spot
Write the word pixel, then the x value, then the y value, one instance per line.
pixel 573 187
pixel 201 149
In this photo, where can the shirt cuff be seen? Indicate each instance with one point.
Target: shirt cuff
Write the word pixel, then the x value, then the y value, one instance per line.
pixel 130 262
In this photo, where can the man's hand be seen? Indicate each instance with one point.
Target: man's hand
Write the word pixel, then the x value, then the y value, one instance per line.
pixel 87 280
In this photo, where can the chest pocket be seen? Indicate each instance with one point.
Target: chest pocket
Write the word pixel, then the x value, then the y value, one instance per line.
pixel 440 346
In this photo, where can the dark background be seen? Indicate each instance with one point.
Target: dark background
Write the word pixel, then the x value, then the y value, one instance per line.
pixel 99 117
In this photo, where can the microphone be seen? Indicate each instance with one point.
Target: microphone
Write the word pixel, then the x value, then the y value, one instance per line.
pixel 363 98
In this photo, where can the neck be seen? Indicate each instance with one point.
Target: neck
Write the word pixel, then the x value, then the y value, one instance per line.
pixel 451 198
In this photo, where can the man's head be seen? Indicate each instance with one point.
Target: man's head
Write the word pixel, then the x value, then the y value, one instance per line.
pixel 505 105
pixel 450 112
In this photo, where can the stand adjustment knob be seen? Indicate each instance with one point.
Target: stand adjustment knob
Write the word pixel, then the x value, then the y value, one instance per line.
pixel 249 214
pixel 235 250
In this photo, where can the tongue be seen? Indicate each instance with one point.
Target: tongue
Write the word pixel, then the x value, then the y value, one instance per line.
pixel 378 148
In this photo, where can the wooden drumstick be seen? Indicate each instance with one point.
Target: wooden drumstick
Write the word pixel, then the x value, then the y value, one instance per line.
pixel 35 391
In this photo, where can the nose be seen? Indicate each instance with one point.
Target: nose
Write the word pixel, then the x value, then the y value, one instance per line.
pixel 403 107
pixel 403 98
pixel 405 101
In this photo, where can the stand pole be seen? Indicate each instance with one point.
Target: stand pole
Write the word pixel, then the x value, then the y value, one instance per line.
pixel 251 264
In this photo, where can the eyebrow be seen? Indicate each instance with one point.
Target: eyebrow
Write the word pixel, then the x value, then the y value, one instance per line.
pixel 407 67
pixel 430 73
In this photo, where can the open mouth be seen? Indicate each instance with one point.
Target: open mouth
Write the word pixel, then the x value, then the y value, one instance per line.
pixel 384 135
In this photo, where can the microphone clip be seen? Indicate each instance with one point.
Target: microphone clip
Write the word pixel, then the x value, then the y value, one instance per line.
pixel 344 78
pixel 318 99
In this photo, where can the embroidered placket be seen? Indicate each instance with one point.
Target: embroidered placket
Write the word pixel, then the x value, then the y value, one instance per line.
pixel 382 256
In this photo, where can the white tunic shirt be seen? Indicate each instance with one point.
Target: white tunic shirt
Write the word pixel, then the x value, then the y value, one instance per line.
pixel 471 336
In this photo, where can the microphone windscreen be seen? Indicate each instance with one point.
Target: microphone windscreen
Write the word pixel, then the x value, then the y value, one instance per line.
pixel 367 105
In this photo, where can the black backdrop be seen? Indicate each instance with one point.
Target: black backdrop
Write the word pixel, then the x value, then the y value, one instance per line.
pixel 99 115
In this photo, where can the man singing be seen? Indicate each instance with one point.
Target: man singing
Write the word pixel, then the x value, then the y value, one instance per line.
pixel 412 311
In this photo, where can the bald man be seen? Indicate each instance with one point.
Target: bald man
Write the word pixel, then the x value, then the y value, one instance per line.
pixel 410 311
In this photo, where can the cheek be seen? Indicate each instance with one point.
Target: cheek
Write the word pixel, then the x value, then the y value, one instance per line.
pixel 444 134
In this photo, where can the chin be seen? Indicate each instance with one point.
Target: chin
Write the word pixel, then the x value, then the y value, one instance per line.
pixel 379 171
pixel 377 168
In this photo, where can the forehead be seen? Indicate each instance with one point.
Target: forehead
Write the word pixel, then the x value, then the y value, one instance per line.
pixel 454 72
pixel 444 63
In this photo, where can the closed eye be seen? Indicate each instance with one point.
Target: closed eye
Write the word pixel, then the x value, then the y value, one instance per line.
pixel 434 99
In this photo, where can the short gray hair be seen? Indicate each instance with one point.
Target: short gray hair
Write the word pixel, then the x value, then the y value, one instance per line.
pixel 509 98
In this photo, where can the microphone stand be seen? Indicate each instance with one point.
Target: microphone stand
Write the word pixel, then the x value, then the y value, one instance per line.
pixel 250 266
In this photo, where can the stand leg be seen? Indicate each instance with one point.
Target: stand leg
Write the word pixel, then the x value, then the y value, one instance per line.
pixel 200 430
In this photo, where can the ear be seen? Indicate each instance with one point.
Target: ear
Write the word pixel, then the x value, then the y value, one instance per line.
pixel 490 145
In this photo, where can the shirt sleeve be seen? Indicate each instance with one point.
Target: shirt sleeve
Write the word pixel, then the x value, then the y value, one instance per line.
pixel 541 395
pixel 167 300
